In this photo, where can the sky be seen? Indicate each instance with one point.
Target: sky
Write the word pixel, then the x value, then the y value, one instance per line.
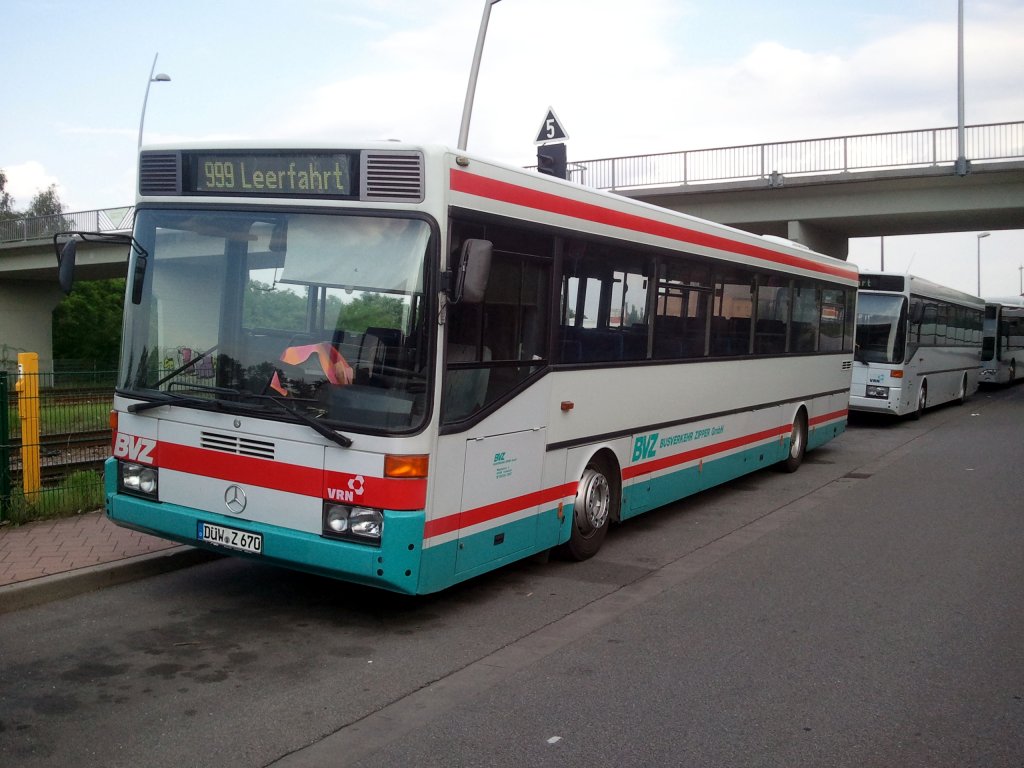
pixel 624 78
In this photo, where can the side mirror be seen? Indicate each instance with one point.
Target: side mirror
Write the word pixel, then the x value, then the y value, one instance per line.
pixel 66 265
pixel 474 271
pixel 138 277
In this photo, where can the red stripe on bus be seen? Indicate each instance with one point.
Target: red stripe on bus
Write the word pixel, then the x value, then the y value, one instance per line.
pixel 501 191
pixel 276 475
pixel 384 493
pixel 703 452
pixel 818 420
pixel 470 517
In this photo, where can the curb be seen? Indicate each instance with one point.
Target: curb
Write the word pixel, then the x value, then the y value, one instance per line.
pixel 45 589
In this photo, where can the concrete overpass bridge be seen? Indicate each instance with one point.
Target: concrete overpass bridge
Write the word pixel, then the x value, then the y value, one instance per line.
pixel 819 192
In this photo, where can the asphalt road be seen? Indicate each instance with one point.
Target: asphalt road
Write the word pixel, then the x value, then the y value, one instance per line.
pixel 867 610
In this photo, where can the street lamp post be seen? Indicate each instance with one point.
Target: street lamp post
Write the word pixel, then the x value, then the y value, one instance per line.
pixel 467 108
pixel 161 78
pixel 980 235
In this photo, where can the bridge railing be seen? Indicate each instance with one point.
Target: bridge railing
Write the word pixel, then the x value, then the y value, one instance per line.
pixel 38 227
pixel 838 154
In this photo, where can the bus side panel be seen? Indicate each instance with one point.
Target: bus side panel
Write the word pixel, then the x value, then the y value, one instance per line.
pixel 692 457
pixel 827 420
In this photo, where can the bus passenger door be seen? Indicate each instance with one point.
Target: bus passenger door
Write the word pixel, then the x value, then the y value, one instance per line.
pixel 499 506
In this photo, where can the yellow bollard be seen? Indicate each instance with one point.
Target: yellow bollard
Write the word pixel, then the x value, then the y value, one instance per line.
pixel 28 411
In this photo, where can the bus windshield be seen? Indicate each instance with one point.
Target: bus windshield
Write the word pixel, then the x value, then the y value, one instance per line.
pixel 881 328
pixel 254 310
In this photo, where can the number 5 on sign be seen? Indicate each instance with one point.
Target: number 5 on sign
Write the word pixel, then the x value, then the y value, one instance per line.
pixel 551 129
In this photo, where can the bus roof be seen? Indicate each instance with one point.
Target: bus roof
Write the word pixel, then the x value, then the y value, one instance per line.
pixel 912 284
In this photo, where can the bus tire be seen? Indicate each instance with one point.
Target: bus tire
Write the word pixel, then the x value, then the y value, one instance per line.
pixel 922 401
pixel 596 504
pixel 797 444
pixel 961 397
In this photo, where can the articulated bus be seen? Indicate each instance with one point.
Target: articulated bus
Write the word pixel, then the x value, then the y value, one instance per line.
pixel 918 345
pixel 403 366
pixel 1002 348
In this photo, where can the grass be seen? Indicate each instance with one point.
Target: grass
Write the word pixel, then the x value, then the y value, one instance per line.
pixel 77 493
pixel 64 417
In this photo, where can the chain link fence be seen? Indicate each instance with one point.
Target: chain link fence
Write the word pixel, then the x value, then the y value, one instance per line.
pixel 54 438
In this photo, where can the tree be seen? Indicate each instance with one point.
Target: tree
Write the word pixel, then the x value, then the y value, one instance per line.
pixel 87 323
pixel 6 201
pixel 47 210
pixel 46 203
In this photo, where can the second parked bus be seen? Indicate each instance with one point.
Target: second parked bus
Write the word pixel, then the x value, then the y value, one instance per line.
pixel 1002 348
pixel 918 344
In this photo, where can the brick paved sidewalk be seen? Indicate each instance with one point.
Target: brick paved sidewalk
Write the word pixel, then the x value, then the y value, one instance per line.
pixel 47 547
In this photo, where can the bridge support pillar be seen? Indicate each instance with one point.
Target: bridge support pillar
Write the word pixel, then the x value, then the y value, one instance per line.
pixel 819 239
pixel 26 320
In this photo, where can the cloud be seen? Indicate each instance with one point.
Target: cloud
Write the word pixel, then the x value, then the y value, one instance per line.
pixel 25 180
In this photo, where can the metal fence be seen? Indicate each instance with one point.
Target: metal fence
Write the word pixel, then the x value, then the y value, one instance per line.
pixel 839 154
pixel 39 227
pixel 54 469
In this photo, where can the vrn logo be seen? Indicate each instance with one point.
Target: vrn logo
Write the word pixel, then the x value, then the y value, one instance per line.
pixel 643 447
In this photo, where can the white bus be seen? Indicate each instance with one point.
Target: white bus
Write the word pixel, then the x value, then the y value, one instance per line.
pixel 406 365
pixel 918 344
pixel 1002 348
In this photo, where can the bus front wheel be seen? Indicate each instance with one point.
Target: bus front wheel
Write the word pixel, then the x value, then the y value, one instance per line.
pixel 797 444
pixel 596 498
pixel 922 402
pixel 961 397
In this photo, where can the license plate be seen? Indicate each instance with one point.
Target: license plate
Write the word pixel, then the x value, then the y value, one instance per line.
pixel 231 538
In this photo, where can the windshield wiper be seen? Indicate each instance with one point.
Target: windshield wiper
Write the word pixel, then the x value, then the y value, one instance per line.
pixel 168 398
pixel 343 440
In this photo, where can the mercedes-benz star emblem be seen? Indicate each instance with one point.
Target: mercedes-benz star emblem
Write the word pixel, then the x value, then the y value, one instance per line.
pixel 234 499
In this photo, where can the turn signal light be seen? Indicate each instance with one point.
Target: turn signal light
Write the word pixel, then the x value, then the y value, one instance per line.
pixel 406 466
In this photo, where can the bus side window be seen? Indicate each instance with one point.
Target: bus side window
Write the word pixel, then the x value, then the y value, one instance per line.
pixel 803 330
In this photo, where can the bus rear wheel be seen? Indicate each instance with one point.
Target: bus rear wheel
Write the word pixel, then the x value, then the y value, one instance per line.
pixel 797 444
pixel 596 501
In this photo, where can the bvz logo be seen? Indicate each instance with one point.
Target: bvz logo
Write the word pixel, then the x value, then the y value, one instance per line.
pixel 643 447
pixel 134 448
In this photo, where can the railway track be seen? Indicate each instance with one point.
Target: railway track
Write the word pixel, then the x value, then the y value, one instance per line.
pixel 65 453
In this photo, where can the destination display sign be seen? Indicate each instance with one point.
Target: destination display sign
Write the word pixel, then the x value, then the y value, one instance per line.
pixel 277 174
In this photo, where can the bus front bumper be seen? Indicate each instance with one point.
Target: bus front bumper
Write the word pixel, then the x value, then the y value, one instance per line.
pixel 394 565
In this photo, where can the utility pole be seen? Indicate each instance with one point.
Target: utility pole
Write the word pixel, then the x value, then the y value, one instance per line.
pixel 961 156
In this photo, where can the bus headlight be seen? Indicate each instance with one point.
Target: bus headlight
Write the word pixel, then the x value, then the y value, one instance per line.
pixel 363 524
pixel 880 392
pixel 138 479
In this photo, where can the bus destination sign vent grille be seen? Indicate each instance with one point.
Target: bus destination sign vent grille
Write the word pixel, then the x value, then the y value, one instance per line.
pixel 392 176
pixel 240 446
pixel 160 173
